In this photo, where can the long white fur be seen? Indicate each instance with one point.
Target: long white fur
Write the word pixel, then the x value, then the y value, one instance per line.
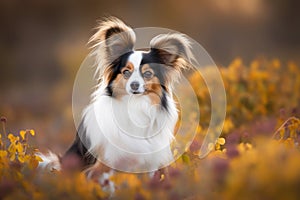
pixel 105 121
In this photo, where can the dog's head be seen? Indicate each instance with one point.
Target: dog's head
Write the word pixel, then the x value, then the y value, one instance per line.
pixel 125 71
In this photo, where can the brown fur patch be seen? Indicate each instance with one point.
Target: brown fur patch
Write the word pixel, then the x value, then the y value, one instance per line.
pixel 129 66
pixel 119 84
pixel 152 86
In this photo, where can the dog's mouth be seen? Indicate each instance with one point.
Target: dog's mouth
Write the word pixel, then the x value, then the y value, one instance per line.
pixel 145 92
pixel 136 92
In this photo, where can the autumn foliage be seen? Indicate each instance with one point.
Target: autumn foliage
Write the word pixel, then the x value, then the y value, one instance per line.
pixel 256 157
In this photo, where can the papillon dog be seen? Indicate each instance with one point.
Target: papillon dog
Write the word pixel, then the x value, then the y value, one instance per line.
pixel 130 122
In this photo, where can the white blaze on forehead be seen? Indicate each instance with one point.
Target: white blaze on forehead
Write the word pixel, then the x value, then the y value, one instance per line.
pixel 136 58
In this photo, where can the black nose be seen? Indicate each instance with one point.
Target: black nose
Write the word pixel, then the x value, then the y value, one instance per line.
pixel 135 85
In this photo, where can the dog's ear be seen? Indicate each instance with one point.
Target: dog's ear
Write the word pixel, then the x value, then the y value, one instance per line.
pixel 173 51
pixel 112 39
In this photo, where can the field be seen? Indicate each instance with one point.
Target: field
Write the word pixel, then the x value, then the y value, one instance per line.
pixel 256 157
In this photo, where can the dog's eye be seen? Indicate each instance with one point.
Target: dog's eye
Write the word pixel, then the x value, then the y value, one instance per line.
pixel 126 74
pixel 148 74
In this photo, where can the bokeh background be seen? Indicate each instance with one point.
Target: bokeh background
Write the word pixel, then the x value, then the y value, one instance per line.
pixel 42 44
pixel 255 44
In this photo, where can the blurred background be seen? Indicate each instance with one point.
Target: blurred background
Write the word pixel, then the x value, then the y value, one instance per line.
pixel 42 44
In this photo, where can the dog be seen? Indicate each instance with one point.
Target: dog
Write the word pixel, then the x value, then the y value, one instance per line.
pixel 130 122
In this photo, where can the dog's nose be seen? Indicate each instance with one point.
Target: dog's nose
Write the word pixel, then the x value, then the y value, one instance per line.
pixel 135 85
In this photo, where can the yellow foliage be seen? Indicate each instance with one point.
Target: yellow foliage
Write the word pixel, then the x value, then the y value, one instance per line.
pixel 262 167
pixel 258 90
pixel 18 170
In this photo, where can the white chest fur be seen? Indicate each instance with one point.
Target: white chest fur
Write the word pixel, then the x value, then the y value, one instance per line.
pixel 130 134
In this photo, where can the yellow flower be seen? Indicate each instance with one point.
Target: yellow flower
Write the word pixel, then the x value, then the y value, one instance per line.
pixel 221 141
pixel 22 134
pixel 13 138
pixel 19 147
pixel 32 132
pixel 38 158
pixel 3 153
pixel 12 157
pixel 22 158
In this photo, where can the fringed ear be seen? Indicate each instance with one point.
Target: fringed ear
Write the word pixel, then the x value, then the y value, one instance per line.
pixel 174 52
pixel 112 40
pixel 114 35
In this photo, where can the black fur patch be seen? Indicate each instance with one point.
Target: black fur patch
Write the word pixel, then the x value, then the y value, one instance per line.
pixel 117 66
pixel 155 62
pixel 152 57
pixel 111 31
pixel 79 149
pixel 163 99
